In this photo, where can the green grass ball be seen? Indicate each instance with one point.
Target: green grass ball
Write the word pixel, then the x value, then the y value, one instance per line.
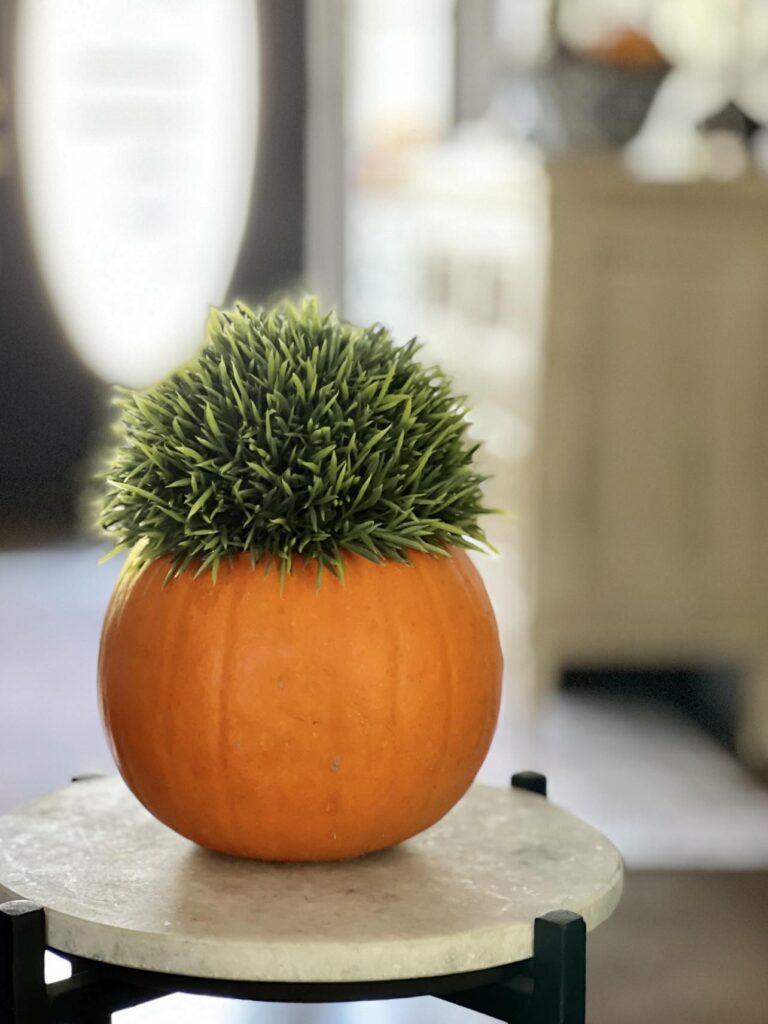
pixel 293 434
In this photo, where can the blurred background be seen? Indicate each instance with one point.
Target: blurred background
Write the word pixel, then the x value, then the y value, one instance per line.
pixel 567 200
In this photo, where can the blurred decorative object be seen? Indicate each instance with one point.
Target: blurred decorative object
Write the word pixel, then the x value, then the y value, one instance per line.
pixel 627 49
pixel 718 50
pixel 612 31
pixel 136 128
pixel 291 715
pixel 599 81
pixel 652 493
pixel 598 104
pixel 717 53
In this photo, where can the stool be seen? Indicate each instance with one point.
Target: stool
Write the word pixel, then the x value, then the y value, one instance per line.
pixel 488 909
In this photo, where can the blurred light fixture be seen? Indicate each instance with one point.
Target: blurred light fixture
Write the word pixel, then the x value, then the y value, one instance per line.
pixel 137 127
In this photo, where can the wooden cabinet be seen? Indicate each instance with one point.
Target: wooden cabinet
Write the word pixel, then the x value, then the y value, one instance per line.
pixel 651 509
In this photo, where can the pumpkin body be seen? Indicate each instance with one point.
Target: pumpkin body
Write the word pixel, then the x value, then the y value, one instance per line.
pixel 302 724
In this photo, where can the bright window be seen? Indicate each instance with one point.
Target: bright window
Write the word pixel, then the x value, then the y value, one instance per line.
pixel 137 127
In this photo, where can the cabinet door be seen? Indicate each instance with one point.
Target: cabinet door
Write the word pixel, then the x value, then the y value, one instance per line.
pixel 653 434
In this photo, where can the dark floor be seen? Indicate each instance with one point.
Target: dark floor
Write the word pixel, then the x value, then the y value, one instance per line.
pixel 684 947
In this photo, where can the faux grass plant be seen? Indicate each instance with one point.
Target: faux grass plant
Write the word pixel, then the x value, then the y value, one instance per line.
pixel 294 434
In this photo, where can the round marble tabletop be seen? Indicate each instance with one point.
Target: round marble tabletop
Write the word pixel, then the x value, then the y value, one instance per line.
pixel 118 886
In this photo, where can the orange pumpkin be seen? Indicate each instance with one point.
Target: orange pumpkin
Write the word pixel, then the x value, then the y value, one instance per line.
pixel 304 724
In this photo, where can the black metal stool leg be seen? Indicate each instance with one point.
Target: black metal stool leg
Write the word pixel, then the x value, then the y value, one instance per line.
pixel 534 782
pixel 547 989
pixel 23 998
pixel 559 968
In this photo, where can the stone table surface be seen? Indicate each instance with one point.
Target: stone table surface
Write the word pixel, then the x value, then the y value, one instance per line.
pixel 120 887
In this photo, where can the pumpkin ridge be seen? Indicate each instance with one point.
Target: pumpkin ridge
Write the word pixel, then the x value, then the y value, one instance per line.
pixel 446 667
pixel 478 595
pixel 222 702
pixel 174 607
pixel 395 627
